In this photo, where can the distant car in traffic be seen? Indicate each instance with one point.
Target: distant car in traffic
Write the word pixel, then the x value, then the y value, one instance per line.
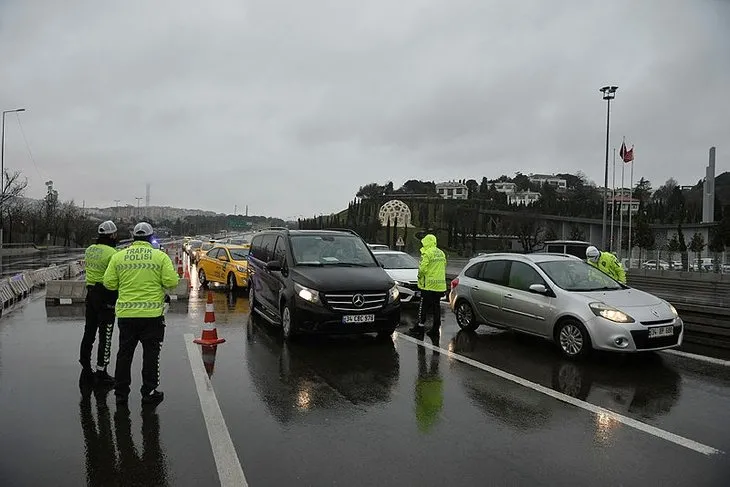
pixel 378 247
pixel 564 300
pixel 320 281
pixel 403 269
pixel 193 247
pixel 652 264
pixel 226 264
pixel 202 250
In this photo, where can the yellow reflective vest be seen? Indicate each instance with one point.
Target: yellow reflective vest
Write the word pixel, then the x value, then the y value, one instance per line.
pixel 609 265
pixel 97 259
pixel 141 274
pixel 432 269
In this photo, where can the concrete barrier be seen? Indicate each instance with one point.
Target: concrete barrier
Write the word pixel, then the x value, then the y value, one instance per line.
pixel 65 292
pixel 181 292
pixel 62 293
pixel 15 289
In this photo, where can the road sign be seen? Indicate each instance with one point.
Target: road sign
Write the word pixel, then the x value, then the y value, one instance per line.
pixel 400 242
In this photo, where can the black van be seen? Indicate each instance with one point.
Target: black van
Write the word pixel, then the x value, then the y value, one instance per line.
pixel 320 281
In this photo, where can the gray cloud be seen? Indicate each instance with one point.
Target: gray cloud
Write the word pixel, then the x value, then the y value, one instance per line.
pixel 290 106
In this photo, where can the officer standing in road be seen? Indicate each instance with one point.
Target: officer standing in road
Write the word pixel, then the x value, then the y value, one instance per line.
pixel 606 262
pixel 432 283
pixel 99 307
pixel 141 274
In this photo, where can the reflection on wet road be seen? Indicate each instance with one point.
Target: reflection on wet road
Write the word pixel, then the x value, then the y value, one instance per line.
pixel 112 457
pixel 356 410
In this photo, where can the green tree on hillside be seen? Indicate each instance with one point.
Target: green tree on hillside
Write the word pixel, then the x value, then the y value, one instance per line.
pixel 697 245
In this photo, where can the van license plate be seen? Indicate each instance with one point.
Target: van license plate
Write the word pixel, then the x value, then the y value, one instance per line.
pixel 661 331
pixel 358 318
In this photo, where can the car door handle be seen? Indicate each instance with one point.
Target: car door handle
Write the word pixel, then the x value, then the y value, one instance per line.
pixel 508 296
pixel 476 288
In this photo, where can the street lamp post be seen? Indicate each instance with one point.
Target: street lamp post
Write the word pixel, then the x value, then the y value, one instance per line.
pixel 138 200
pixel 2 159
pixel 2 148
pixel 609 93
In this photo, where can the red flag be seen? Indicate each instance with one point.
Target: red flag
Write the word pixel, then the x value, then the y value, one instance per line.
pixel 627 155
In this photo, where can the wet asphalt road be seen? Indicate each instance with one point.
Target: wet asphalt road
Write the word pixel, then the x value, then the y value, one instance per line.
pixel 354 411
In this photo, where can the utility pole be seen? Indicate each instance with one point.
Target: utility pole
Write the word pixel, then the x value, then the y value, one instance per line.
pixel 609 93
pixel 2 160
pixel 138 211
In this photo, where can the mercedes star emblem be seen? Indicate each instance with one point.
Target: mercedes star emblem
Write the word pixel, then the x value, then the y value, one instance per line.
pixel 358 300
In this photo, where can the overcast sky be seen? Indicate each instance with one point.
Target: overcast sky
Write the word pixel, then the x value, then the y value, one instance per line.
pixel 290 105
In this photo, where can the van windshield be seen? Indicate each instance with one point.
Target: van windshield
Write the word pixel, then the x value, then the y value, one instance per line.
pixel 321 250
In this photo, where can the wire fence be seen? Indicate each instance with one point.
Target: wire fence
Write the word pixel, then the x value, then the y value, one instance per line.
pixel 663 260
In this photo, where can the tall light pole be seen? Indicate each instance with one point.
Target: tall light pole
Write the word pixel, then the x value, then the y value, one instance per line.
pixel 138 200
pixel 2 160
pixel 2 148
pixel 609 93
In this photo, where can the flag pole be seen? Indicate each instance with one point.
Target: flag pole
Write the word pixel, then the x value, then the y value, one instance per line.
pixel 631 202
pixel 621 211
pixel 613 199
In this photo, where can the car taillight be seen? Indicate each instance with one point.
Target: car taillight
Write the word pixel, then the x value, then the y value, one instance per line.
pixel 454 283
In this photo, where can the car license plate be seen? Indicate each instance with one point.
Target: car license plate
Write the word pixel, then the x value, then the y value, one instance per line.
pixel 661 331
pixel 358 318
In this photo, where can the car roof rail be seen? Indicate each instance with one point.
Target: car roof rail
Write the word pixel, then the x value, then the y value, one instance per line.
pixel 348 230
pixel 278 228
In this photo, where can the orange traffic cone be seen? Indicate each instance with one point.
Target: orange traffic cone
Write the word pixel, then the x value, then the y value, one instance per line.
pixel 187 276
pixel 210 334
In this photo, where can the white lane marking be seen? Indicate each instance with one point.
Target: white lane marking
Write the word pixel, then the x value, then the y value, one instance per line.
pixel 701 358
pixel 652 430
pixel 229 467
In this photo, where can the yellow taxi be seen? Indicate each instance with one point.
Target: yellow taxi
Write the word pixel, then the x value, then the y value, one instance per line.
pixel 226 264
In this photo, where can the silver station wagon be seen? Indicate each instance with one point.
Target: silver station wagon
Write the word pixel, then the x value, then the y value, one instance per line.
pixel 565 300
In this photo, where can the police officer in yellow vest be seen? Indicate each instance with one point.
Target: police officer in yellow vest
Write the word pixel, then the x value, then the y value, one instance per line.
pixel 141 274
pixel 99 307
pixel 606 262
pixel 432 283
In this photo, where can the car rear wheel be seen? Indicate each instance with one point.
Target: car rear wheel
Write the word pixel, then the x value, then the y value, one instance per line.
pixel 232 281
pixel 573 339
pixel 201 277
pixel 465 316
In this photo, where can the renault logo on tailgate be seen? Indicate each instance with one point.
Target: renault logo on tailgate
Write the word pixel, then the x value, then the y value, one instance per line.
pixel 358 300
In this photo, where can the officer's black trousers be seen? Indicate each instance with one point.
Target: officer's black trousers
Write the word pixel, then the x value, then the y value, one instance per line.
pixel 99 320
pixel 430 304
pixel 149 331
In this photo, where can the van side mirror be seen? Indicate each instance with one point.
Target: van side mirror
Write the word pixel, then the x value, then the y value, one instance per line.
pixel 538 289
pixel 273 266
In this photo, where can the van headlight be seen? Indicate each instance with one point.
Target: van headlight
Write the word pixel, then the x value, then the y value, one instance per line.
pixel 307 294
pixel 610 313
pixel 241 268
pixel 393 294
